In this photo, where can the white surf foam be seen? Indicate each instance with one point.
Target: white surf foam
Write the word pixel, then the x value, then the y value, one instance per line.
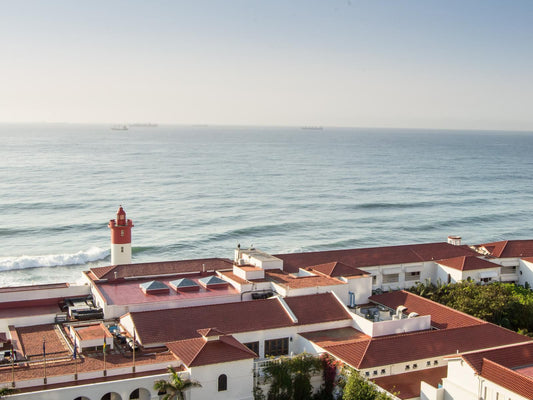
pixel 53 260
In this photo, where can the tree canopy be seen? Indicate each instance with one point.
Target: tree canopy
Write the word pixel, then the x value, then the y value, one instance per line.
pixel 504 304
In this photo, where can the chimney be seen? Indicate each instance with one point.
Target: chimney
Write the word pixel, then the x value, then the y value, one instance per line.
pixel 454 240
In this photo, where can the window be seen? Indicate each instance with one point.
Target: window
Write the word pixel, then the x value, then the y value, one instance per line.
pixel 412 276
pixel 122 232
pixel 254 346
pixel 277 347
pixel 436 362
pixel 390 278
pixel 376 372
pixel 122 249
pixel 367 373
pixel 415 366
pixel 383 372
pixel 374 280
pixel 222 383
pixel 407 367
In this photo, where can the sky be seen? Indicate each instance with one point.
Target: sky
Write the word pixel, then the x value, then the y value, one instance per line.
pixel 465 64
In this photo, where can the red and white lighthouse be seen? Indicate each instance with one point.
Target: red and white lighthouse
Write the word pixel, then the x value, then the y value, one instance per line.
pixel 120 238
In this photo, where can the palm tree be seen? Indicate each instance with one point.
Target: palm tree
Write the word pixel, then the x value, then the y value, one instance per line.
pixel 175 387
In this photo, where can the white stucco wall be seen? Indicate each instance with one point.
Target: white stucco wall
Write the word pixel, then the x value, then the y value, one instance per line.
pixel 239 377
pixel 36 293
pixel 400 368
pixel 95 391
pixel 442 274
pixel 27 321
pixel 525 273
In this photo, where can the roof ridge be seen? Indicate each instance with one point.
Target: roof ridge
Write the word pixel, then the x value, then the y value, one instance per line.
pixel 364 353
pixel 230 341
pixel 199 349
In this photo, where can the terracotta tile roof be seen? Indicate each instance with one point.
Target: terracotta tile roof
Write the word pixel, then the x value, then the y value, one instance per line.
pixel 509 379
pixel 90 332
pixel 509 248
pixel 197 352
pixel 160 268
pixel 31 341
pixel 209 332
pixel 330 337
pixel 285 279
pixel 442 317
pixel 408 384
pixel 316 308
pixel 163 326
pixel 360 258
pixel 336 269
pixel 510 356
pixel 65 366
pixel 246 316
pixel 468 263
pixel 386 350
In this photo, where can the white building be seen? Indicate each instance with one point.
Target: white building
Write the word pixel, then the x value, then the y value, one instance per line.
pixel 216 320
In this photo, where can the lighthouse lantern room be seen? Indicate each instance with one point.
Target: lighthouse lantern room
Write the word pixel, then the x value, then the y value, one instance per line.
pixel 120 238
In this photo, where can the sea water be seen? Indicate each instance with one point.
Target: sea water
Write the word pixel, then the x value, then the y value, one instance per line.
pixel 197 191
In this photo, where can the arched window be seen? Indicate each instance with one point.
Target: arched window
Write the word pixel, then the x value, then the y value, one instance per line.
pixel 222 383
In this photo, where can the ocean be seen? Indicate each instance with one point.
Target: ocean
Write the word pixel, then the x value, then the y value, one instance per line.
pixel 197 191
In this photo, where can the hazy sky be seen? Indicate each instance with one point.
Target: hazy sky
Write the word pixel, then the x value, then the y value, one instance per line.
pixel 398 63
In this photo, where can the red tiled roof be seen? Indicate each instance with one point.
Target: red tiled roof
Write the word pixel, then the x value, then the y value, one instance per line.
pixel 317 308
pixel 31 340
pixel 442 317
pixel 408 385
pixel 512 380
pixel 208 332
pixel 199 351
pixel 336 336
pixel 90 332
pixel 162 326
pixel 336 269
pixel 160 268
pixel 509 356
pixel 360 258
pixel 285 279
pixel 509 248
pixel 468 263
pixel 392 349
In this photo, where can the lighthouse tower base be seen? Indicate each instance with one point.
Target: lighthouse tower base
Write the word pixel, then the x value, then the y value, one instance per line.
pixel 120 253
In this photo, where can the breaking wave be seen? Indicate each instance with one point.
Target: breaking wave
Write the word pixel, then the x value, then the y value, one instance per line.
pixel 53 260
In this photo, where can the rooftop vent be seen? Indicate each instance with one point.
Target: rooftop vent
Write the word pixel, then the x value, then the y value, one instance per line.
pixel 400 310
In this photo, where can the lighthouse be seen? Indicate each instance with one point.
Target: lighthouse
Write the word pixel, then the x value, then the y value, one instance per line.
pixel 120 238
